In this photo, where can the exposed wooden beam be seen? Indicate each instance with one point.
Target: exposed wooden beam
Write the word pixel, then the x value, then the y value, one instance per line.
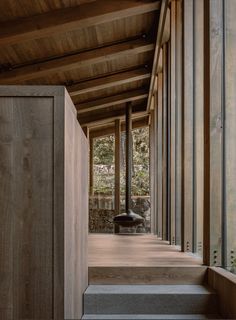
pixel 73 61
pixel 73 18
pixel 109 81
pixel 112 100
pixel 109 119
pixel 160 32
pixel 140 123
pixel 108 115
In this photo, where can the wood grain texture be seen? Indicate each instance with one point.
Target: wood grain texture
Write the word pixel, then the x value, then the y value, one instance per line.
pixel 199 123
pixel 76 218
pixel 34 248
pixel 230 130
pixel 165 218
pixel 72 61
pixel 152 177
pixel 188 126
pixel 159 155
pixel 108 81
pixel 224 283
pixel 179 124
pixel 29 166
pixel 172 124
pixel 6 200
pixel 112 100
pixel 71 18
pixel 213 133
pixel 160 31
pixel 107 250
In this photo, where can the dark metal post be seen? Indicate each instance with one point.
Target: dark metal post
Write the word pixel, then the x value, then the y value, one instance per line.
pixel 128 156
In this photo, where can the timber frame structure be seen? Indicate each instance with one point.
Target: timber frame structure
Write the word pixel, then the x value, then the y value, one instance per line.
pixel 174 60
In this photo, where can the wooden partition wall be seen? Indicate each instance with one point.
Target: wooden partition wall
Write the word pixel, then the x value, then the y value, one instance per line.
pixel 44 204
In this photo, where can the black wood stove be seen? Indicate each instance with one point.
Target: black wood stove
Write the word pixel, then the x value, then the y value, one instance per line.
pixel 129 218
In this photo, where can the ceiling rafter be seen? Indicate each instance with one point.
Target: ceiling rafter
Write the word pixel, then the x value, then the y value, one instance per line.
pixel 108 81
pixel 109 115
pixel 81 59
pixel 73 18
pixel 112 100
pixel 101 132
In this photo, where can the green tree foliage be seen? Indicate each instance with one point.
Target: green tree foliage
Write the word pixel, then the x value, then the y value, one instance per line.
pixel 104 164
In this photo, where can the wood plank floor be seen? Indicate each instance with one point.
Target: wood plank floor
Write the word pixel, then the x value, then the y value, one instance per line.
pixel 107 250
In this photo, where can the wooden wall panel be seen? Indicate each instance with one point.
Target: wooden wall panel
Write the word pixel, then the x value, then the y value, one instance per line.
pixel 224 283
pixel 76 219
pixel 28 156
pixel 43 243
pixel 6 235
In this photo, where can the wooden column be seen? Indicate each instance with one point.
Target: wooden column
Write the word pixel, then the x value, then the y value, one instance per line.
pixel 159 154
pixel 152 171
pixel 188 126
pixel 230 135
pixel 91 167
pixel 164 143
pixel 198 124
pixel 179 115
pixel 172 123
pixel 86 131
pixel 117 165
pixel 213 133
pixel 155 114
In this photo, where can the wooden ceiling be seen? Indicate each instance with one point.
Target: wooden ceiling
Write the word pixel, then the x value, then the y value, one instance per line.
pixel 101 50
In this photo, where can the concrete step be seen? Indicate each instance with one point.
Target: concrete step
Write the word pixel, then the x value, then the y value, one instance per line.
pixel 149 300
pixel 148 317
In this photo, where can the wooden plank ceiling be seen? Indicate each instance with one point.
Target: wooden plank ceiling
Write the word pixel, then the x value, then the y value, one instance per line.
pixel 101 50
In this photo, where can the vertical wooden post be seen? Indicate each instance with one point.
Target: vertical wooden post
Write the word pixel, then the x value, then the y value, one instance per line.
pixel 128 156
pixel 179 131
pixel 91 167
pixel 230 132
pixel 172 123
pixel 159 154
pixel 188 124
pixel 198 123
pixel 164 143
pixel 213 131
pixel 152 172
pixel 86 131
pixel 117 165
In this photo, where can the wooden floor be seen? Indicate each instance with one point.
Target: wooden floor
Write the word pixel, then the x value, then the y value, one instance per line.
pixel 135 251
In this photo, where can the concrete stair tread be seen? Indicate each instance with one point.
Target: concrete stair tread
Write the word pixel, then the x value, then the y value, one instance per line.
pixel 148 289
pixel 149 299
pixel 148 317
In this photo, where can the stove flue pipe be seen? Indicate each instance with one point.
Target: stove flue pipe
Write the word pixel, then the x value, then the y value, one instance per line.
pixel 128 157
